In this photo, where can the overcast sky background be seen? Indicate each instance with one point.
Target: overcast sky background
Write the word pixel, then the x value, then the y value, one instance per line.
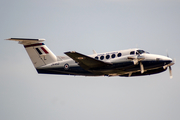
pixel 84 25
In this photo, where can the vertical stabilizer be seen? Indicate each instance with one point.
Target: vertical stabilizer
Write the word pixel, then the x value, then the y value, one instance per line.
pixel 38 52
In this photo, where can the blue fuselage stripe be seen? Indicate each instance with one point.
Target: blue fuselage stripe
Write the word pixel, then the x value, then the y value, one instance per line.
pixel 126 67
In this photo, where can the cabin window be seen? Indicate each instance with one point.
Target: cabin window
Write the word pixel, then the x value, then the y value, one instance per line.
pixel 102 57
pixel 113 56
pixel 132 53
pixel 96 57
pixel 119 54
pixel 107 56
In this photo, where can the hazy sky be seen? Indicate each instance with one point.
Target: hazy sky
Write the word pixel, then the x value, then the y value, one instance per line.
pixel 84 25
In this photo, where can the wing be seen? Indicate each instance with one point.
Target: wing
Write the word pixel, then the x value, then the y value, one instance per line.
pixel 86 62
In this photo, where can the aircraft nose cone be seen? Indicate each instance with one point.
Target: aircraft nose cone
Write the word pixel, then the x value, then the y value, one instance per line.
pixel 167 60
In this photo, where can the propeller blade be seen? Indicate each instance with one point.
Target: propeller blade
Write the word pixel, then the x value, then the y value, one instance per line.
pixel 167 53
pixel 130 74
pixel 135 61
pixel 169 65
pixel 170 72
pixel 142 67
pixel 174 60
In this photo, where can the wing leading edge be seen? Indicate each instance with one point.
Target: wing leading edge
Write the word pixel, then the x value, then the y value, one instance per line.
pixel 86 62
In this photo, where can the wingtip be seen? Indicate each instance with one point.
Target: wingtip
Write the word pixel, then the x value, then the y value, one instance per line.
pixel 8 39
pixel 69 52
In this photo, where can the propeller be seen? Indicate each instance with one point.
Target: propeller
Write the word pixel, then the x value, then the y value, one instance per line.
pixel 142 67
pixel 170 72
pixel 137 60
pixel 140 58
pixel 169 66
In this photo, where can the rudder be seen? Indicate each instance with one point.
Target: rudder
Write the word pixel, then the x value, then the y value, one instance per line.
pixel 38 52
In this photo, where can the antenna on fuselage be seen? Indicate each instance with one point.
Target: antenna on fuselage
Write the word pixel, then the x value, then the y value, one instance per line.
pixel 94 52
pixel 136 45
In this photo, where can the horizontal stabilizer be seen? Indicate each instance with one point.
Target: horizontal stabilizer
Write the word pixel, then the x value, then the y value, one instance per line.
pixel 26 41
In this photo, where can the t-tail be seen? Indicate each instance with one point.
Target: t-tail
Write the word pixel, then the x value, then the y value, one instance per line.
pixel 38 52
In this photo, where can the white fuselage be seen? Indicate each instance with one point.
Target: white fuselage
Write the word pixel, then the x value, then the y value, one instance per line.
pixel 116 59
pixel 131 62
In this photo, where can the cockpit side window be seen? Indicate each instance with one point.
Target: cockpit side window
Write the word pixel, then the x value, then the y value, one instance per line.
pixel 132 53
pixel 140 51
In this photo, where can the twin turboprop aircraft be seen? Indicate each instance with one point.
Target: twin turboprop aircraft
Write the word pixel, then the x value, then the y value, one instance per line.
pixel 128 63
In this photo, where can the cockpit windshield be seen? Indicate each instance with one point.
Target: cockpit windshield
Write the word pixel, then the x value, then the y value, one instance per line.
pixel 141 51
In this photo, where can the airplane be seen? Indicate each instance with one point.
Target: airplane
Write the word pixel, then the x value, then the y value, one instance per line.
pixel 126 63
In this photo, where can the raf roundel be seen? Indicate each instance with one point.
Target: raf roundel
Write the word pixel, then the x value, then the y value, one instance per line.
pixel 66 66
